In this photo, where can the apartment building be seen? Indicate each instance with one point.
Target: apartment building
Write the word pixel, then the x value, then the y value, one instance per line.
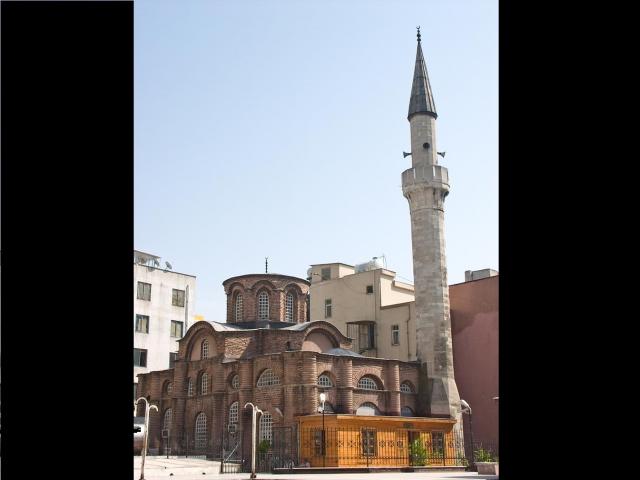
pixel 164 303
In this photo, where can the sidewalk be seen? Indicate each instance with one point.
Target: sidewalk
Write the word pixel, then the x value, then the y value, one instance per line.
pixel 173 468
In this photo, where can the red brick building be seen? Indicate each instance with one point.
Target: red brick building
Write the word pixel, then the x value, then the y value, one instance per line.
pixel 280 366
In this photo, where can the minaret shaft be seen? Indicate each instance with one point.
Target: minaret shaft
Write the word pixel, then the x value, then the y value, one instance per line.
pixel 425 186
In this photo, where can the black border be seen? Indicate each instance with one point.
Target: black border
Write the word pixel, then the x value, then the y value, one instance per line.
pixel 67 238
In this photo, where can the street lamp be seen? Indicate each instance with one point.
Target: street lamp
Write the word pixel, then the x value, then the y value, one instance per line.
pixel 147 409
pixel 466 408
pixel 323 397
pixel 255 410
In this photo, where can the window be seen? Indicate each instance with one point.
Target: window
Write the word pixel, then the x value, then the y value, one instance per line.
pixel 369 289
pixel 368 442
pixel 325 273
pixel 204 384
pixel 263 306
pixel 176 328
pixel 144 291
pixel 173 356
pixel 177 298
pixel 325 381
pixel 367 383
pixel 142 323
pixel 204 349
pixel 368 409
pixel 169 388
pixel 268 378
pixel 366 335
pixel 238 308
pixel 405 387
pixel 190 387
pixel 139 357
pixel 288 314
pixel 406 412
pixel 201 431
pixel 327 308
pixel 318 444
pixel 328 408
pixel 135 388
pixel 168 417
pixel 395 335
pixel 235 382
pixel 233 413
pixel 266 422
pixel 437 444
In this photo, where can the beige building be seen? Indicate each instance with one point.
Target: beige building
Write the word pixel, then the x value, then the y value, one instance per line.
pixel 368 304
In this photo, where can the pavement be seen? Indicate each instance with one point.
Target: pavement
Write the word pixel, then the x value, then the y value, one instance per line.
pixel 174 468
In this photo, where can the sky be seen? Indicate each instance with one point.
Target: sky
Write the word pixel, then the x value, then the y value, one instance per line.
pixel 276 129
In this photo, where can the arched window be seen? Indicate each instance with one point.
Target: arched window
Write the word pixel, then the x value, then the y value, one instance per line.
pixel 168 416
pixel 204 384
pixel 233 413
pixel 201 431
pixel 368 409
pixel 169 388
pixel 204 349
pixel 324 381
pixel 268 378
pixel 328 408
pixel 367 383
pixel 288 313
pixel 407 412
pixel 235 382
pixel 190 387
pixel 405 387
pixel 266 422
pixel 263 306
pixel 238 308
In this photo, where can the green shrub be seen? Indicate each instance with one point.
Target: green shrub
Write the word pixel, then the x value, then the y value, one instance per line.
pixel 263 446
pixel 482 455
pixel 418 453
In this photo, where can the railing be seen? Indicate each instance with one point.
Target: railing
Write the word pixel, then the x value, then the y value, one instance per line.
pixel 379 447
pixel 425 173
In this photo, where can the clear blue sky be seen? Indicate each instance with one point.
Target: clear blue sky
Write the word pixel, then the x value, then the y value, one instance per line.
pixel 276 128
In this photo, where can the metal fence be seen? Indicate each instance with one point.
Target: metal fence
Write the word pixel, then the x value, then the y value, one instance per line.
pixel 380 447
pixel 347 447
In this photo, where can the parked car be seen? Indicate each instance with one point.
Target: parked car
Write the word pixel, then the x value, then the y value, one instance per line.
pixel 138 435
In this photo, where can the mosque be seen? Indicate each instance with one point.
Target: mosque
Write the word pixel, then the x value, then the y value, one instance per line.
pixel 322 404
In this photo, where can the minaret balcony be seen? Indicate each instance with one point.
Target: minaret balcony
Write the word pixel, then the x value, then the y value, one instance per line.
pixel 431 175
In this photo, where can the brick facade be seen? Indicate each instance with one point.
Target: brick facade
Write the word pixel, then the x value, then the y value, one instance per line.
pixel 248 354
pixel 277 288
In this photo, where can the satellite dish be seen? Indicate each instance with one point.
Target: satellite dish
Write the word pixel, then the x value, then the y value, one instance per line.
pixel 168 265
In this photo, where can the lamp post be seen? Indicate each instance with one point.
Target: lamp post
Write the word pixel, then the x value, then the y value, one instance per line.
pixel 254 411
pixel 323 397
pixel 466 408
pixel 147 409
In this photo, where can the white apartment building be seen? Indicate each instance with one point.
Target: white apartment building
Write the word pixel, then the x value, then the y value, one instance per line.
pixel 164 303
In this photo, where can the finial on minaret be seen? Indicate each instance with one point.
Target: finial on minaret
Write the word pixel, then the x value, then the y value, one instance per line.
pixel 266 264
pixel 418 27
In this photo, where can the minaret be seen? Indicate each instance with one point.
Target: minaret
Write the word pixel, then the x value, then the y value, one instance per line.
pixel 425 186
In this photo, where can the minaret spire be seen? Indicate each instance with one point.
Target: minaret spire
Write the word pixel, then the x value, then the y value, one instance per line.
pixel 421 95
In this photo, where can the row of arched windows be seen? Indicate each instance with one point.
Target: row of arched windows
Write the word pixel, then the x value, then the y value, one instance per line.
pixel 263 307
pixel 269 378
pixel 365 383
pixel 266 420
